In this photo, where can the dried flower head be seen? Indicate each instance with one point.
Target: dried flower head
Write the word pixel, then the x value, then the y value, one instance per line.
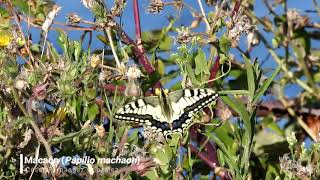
pixel 222 111
pixel 149 135
pixel 133 73
pixel 118 7
pixel 90 4
pixel 95 60
pixel 252 39
pixel 54 131
pixel 100 131
pixel 103 75
pixel 241 25
pixel 178 4
pixel 155 6
pixel 20 84
pixel 295 20
pixel 73 18
pixel 184 35
pixel 50 17
pixel 143 167
pixel 39 91
pixel 295 167
pixel 27 137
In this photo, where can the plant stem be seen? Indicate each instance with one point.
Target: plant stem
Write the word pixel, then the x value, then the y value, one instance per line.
pixel 138 48
pixel 137 20
pixel 214 70
pixel 112 47
pixel 15 15
pixel 32 122
pixel 204 16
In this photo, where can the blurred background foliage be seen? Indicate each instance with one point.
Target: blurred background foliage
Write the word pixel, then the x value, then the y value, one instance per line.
pixel 58 97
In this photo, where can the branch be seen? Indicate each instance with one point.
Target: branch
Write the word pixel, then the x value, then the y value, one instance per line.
pixel 32 122
pixel 16 18
pixel 204 16
pixel 214 70
pixel 137 20
pixel 138 48
pixel 112 88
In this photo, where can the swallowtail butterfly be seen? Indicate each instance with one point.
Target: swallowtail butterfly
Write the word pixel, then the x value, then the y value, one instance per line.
pixel 167 113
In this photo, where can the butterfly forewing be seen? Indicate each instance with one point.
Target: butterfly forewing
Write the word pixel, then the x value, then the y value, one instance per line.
pixel 141 111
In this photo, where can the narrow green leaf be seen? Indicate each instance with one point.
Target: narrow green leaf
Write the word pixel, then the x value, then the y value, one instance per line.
pixel 265 85
pixel 250 78
pixel 71 136
pixel 228 158
pixel 240 92
pixel 191 75
pixel 77 50
pixel 201 63
pixel 63 42
pixel 239 108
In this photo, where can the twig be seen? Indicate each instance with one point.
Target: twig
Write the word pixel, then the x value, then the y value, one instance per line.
pixel 270 8
pixel 204 16
pixel 112 88
pixel 137 20
pixel 138 49
pixel 112 47
pixel 15 15
pixel 214 70
pixel 317 7
pixel 217 14
pixel 32 122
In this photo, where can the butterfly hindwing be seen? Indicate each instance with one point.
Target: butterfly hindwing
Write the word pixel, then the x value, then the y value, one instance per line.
pixel 186 102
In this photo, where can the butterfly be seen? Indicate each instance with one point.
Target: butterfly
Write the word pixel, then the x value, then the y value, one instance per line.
pixel 167 113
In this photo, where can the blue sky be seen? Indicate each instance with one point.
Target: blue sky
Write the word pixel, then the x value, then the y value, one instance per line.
pixel 151 21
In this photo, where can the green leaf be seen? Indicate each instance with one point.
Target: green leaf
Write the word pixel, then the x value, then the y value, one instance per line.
pixel 110 134
pixel 317 77
pixel 23 5
pixel 156 39
pixel 265 85
pixel 63 42
pixel 228 158
pixel 250 78
pixel 103 39
pixel 71 136
pixel 35 48
pixel 91 93
pixel 4 13
pixel 225 44
pixel 191 75
pixel 201 63
pixel 93 111
pixel 161 67
pixel 78 49
pixel 225 92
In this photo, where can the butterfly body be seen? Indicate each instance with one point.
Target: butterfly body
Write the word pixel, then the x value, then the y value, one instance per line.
pixel 167 113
